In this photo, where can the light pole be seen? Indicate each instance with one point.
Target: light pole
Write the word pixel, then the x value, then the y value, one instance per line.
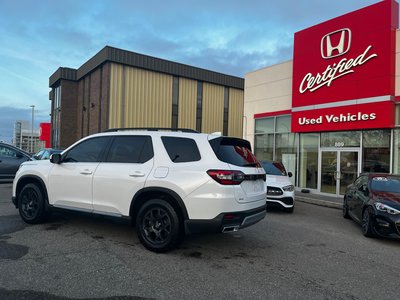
pixel 33 115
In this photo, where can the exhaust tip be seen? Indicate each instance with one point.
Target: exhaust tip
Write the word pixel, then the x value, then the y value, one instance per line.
pixel 230 228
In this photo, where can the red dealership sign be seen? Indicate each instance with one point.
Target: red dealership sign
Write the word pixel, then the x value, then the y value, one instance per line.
pixel 358 116
pixel 350 58
pixel 45 129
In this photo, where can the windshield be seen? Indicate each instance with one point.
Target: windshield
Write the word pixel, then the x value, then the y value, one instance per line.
pixel 273 168
pixel 386 184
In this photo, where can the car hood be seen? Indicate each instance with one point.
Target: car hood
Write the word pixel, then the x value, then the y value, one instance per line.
pixel 387 198
pixel 278 181
pixel 36 162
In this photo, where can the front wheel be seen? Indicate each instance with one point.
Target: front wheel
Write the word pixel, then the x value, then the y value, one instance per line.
pixel 31 204
pixel 158 226
pixel 366 225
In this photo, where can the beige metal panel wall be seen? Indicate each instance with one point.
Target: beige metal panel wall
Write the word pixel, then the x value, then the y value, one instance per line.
pixel 139 98
pixel 115 108
pixel 148 98
pixel 235 114
pixel 187 103
pixel 213 108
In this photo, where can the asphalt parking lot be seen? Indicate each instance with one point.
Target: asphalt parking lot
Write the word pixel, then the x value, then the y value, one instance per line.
pixel 311 254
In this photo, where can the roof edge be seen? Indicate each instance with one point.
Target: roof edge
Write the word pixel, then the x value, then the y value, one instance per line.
pixel 133 59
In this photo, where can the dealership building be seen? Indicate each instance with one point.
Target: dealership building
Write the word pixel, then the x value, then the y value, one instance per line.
pixel 332 112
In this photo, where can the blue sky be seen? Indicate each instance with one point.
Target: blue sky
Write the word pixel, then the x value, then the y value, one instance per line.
pixel 227 36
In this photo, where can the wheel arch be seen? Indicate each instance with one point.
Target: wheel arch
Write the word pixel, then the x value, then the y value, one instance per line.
pixel 24 180
pixel 158 192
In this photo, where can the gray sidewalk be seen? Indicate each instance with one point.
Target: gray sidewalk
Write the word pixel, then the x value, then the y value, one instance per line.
pixel 322 200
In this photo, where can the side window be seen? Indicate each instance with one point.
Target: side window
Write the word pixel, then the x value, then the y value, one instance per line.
pixel 87 151
pixel 7 152
pixel 181 149
pixel 45 155
pixel 39 154
pixel 130 149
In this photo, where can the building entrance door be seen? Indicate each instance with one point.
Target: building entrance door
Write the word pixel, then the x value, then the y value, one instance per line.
pixel 339 168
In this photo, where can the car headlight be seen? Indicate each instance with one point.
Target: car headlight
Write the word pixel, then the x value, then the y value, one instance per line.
pixel 288 188
pixel 386 208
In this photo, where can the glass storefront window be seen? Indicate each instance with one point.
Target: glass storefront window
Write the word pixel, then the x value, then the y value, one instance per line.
pixel 340 139
pixel 274 141
pixel 286 150
pixel 376 151
pixel 265 125
pixel 396 152
pixel 308 166
pixel 283 124
pixel 264 146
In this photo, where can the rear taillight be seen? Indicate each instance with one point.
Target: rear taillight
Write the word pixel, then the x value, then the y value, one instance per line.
pixel 227 177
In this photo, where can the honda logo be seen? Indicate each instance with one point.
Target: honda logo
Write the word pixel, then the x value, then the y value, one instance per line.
pixel 336 43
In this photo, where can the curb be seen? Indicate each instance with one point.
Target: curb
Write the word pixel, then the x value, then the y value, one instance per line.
pixel 319 202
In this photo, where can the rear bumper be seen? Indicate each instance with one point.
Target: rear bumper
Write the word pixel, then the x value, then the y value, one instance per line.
pixel 226 222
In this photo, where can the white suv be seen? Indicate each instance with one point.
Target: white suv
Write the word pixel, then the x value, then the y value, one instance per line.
pixel 168 182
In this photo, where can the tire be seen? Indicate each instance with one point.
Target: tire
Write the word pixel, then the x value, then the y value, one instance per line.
pixel 31 204
pixel 366 224
pixel 158 226
pixel 345 209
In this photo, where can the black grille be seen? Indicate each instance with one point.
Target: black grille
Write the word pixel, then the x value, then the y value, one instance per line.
pixel 287 200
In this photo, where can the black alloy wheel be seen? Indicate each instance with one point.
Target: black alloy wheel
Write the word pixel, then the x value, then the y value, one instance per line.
pixel 31 204
pixel 158 226
pixel 366 224
pixel 345 209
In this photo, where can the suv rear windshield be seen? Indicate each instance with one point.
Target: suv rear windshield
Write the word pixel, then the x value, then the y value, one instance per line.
pixel 273 168
pixel 234 151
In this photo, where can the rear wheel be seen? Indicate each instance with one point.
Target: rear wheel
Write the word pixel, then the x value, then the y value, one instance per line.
pixel 345 210
pixel 366 225
pixel 31 204
pixel 158 226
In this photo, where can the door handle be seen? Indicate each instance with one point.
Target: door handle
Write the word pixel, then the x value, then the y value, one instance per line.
pixel 86 172
pixel 137 174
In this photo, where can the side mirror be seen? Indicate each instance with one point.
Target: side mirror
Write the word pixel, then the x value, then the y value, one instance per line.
pixel 56 158
pixel 290 174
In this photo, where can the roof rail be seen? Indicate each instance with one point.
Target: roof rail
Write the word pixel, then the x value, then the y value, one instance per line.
pixel 152 129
